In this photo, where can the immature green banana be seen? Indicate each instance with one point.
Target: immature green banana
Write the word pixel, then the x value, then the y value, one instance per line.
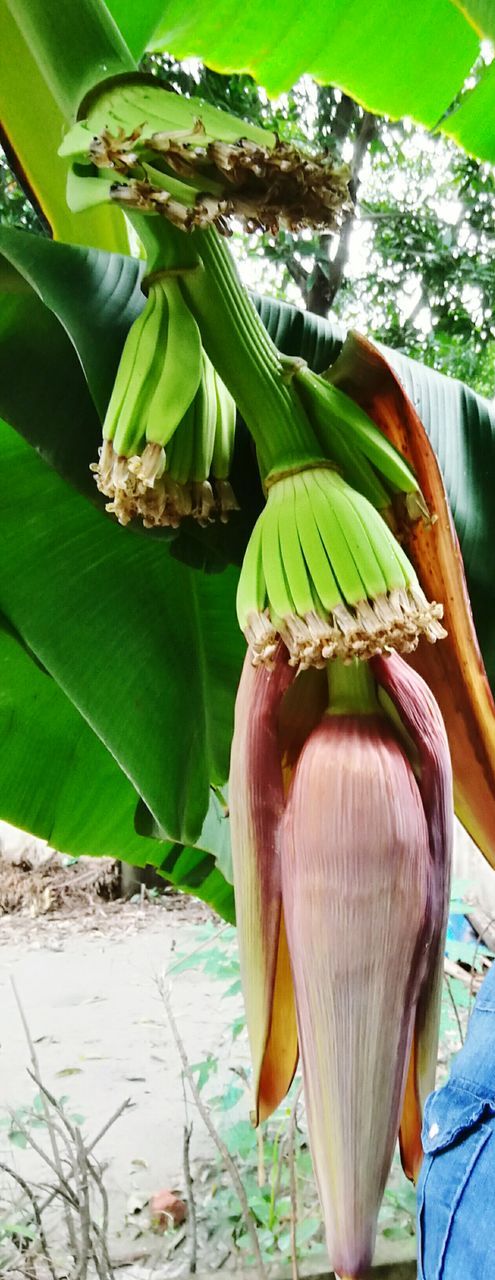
pixel 292 554
pixel 251 590
pixel 398 569
pixel 204 422
pixel 180 448
pixel 319 563
pixel 223 446
pixel 368 566
pixel 367 459
pixel 205 413
pixel 135 105
pixel 277 586
pixel 223 450
pixel 337 538
pixel 131 383
pixel 181 367
pixel 331 434
pixel 169 423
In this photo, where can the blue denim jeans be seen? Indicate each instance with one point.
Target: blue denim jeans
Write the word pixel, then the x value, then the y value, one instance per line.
pixel 456 1189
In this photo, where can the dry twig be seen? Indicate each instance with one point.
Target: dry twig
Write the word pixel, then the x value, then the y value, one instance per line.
pixel 29 1193
pixel 454 1006
pixel 220 1145
pixel 77 1177
pixel 90 1148
pixel 57 1161
pixel 293 1183
pixel 191 1204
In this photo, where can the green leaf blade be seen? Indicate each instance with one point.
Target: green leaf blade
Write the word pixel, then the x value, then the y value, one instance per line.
pixel 392 57
pixel 119 624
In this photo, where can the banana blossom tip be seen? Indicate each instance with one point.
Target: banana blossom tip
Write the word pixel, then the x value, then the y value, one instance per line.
pixel 342 832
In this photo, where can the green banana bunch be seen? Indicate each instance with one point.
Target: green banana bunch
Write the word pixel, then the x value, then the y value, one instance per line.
pixel 149 399
pixel 162 153
pixel 324 573
pixel 362 453
pixel 169 423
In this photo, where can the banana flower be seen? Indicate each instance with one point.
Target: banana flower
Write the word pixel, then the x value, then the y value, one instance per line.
pixel 341 809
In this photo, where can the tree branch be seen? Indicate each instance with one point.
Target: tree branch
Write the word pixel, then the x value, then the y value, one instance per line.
pixel 293 1183
pixel 367 131
pixel 220 1145
pixel 325 289
pixel 190 1198
pixel 298 274
pixel 29 1193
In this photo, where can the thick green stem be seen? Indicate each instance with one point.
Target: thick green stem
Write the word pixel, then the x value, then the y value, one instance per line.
pixel 351 689
pixel 166 248
pixel 236 341
pixel 247 360
pixel 75 46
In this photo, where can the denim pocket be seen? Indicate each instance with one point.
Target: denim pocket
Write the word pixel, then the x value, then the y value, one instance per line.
pixel 457 1125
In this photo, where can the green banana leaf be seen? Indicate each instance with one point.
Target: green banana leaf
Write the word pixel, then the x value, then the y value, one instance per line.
pixel 137 22
pixel 43 393
pixel 146 649
pixel 364 49
pixel 472 124
pixel 393 57
pixel 59 782
pixel 95 296
pixel 481 14
pixel 33 121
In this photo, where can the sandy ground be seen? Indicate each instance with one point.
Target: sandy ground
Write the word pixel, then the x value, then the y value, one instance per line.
pixel 88 986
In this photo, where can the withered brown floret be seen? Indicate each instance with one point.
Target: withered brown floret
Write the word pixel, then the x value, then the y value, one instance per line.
pixel 269 189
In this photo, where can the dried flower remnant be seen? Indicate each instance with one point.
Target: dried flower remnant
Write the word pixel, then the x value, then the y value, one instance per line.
pixel 267 188
pixel 200 166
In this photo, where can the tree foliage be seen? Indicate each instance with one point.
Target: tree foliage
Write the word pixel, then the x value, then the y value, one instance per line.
pixel 15 209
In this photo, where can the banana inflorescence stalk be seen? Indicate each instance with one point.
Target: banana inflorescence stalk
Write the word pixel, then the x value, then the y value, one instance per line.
pixel 340 777
pixel 323 569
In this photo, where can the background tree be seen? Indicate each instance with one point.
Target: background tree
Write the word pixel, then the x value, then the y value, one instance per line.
pixel 15 209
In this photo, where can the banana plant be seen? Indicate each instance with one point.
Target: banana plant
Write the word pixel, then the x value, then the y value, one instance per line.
pixel 322 518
